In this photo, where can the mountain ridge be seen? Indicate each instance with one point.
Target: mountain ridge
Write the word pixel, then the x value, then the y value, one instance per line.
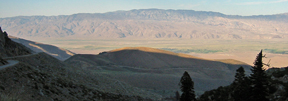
pixel 149 23
pixel 117 11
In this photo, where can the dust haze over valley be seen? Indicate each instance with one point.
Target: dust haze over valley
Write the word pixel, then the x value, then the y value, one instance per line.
pixel 136 54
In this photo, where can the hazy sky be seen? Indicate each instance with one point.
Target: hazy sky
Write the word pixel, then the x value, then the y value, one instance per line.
pixel 10 8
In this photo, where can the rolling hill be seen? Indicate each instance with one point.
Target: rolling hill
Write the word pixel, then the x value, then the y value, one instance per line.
pixel 149 23
pixel 158 70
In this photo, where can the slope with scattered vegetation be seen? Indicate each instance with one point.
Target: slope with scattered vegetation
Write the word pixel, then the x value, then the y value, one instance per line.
pixel 39 76
pixel 157 70
pixel 261 85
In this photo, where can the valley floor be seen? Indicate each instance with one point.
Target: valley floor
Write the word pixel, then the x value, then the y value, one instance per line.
pixel 242 50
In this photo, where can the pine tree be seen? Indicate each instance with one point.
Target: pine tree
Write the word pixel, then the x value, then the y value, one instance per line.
pixel 240 75
pixel 259 81
pixel 240 86
pixel 187 87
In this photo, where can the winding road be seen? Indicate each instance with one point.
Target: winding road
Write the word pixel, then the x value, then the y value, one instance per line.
pixel 10 63
pixel 13 62
pixel 20 56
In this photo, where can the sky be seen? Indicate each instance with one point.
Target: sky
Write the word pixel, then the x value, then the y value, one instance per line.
pixel 11 8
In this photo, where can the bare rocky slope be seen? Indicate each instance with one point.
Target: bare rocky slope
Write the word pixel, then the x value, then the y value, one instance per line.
pixel 158 70
pixel 149 23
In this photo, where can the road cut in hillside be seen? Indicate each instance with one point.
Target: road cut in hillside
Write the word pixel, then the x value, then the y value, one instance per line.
pixel 10 63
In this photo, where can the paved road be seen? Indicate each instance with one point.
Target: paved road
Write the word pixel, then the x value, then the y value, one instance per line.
pixel 10 63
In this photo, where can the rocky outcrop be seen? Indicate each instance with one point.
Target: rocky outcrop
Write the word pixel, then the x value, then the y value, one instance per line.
pixel 10 48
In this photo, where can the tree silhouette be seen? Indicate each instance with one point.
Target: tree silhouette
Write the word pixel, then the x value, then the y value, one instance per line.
pixel 240 85
pixel 240 75
pixel 259 81
pixel 187 87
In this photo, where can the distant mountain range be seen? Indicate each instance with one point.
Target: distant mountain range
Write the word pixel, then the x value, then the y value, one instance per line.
pixel 149 23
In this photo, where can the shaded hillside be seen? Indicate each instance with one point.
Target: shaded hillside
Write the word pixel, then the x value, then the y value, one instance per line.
pixel 153 58
pixel 42 77
pixel 149 23
pixel 39 76
pixel 11 48
pixel 157 70
pixel 59 53
pixel 278 88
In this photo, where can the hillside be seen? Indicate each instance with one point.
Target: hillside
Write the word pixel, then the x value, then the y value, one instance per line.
pixel 157 70
pixel 11 48
pixel 59 53
pixel 39 76
pixel 149 23
pixel 156 58
pixel 278 88
pixel 42 77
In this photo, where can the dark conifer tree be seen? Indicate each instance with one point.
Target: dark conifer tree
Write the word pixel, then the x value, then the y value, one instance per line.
pixel 187 87
pixel 239 76
pixel 240 86
pixel 259 81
